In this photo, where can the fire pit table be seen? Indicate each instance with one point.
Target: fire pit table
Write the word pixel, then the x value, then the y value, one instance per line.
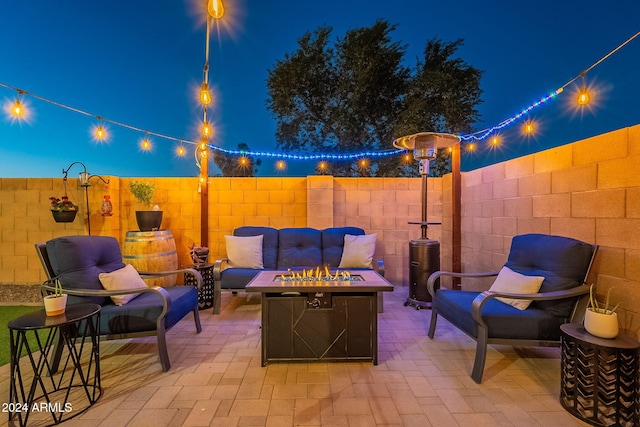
pixel 307 318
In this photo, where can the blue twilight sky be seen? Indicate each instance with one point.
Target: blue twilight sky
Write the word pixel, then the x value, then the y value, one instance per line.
pixel 140 62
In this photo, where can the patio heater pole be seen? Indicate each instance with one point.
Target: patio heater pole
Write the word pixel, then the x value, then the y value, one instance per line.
pixel 424 253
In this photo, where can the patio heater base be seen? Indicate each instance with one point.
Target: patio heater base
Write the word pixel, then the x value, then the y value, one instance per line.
pixel 424 259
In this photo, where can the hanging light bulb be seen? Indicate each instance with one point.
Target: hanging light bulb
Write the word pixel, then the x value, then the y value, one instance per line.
pixel 529 127
pixel 281 165
pixel 583 96
pixel 215 8
pixel 495 141
pixel 205 94
pixel 100 133
pixel 145 144
pixel 17 109
pixel 180 151
pixel 243 161
pixel 322 166
pixel 206 129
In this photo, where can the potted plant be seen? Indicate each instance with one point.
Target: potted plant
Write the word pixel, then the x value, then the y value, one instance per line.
pixel 150 219
pixel 601 321
pixel 55 303
pixel 198 254
pixel 63 209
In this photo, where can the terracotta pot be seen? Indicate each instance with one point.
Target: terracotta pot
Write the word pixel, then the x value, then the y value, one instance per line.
pixel 600 324
pixel 55 305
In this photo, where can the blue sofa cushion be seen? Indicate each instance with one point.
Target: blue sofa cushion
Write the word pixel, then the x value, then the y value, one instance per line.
pixel 561 260
pixel 269 242
pixel 503 320
pixel 78 260
pixel 141 313
pixel 333 243
pixel 299 247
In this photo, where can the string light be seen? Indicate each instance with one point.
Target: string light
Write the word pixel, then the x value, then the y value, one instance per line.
pixel 100 133
pixel 145 143
pixel 18 109
pixel 206 130
pixel 205 94
pixel 495 141
pixel 181 151
pixel 281 165
pixel 529 127
pixel 215 8
pixel 322 167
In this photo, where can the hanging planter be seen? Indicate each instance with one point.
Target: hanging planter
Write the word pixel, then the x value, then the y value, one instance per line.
pixel 63 210
pixel 64 216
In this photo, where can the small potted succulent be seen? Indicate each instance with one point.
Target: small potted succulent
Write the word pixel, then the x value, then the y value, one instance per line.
pixel 601 320
pixel 63 209
pixel 55 303
pixel 150 219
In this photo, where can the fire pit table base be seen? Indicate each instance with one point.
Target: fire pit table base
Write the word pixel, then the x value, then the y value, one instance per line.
pixel 331 321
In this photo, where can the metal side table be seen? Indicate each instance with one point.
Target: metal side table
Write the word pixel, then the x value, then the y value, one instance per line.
pixel 599 377
pixel 58 378
pixel 205 294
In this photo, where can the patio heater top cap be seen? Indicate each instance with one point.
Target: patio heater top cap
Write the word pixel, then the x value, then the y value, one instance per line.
pixel 425 144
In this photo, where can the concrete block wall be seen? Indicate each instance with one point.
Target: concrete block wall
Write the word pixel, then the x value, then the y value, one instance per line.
pixel 588 190
pixel 382 206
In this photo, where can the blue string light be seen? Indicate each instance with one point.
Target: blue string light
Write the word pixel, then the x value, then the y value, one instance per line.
pixel 321 156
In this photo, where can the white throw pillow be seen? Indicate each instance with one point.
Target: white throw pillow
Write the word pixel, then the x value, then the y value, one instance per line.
pixel 358 251
pixel 244 252
pixel 125 278
pixel 516 283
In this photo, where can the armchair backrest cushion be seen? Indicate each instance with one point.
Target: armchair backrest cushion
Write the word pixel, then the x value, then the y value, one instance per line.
pixel 269 242
pixel 299 247
pixel 78 261
pixel 562 261
pixel 333 243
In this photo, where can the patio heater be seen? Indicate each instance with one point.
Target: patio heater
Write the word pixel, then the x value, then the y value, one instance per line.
pixel 424 253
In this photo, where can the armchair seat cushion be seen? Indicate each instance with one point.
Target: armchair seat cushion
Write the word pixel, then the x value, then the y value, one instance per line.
pixel 141 313
pixel 503 320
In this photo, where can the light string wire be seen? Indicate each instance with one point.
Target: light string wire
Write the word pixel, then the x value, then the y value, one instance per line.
pixel 475 136
pixel 483 134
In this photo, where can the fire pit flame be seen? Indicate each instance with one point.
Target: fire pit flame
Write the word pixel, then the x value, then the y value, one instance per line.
pixel 318 275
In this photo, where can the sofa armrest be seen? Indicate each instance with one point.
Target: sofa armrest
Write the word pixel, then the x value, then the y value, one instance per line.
pixel 378 266
pixel 218 266
pixel 431 287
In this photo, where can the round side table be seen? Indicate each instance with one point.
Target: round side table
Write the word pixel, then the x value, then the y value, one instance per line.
pixel 599 377
pixel 58 378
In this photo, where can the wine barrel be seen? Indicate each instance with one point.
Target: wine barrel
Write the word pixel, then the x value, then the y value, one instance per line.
pixel 151 251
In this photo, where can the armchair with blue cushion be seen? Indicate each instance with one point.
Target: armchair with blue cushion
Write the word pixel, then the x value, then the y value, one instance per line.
pixel 78 261
pixel 559 264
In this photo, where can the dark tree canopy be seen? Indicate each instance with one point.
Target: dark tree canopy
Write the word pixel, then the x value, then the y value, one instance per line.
pixel 233 165
pixel 357 95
